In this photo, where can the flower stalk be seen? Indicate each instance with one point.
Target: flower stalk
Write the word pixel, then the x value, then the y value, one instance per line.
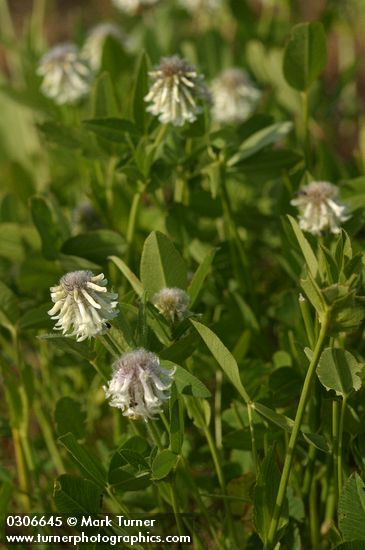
pixel 295 431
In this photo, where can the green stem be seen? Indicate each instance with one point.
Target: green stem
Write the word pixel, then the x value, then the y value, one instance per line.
pixel 160 135
pixel 133 218
pixel 307 318
pixel 340 439
pixel 335 433
pixel 235 237
pixel 309 471
pixel 217 463
pixel 118 504
pixel 22 470
pixel 313 516
pixel 152 428
pixel 305 130
pixel 253 438
pixel 48 437
pixel 218 409
pixel 203 508
pixel 36 23
pixel 179 189
pixel 175 507
pixel 295 432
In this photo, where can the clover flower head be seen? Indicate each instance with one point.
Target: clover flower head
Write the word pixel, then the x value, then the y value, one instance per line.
pixel 82 304
pixel 93 47
pixel 139 385
pixel 133 7
pixel 196 5
pixel 175 90
pixel 234 96
pixel 66 75
pixel 172 303
pixel 319 208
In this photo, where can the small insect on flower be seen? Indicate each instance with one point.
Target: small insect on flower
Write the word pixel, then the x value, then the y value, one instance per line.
pixel 94 44
pixel 319 208
pixel 175 91
pixel 66 75
pixel 139 385
pixel 172 303
pixel 83 304
pixel 234 96
pixel 133 7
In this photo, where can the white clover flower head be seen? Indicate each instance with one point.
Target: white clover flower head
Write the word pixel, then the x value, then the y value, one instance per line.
pixel 197 5
pixel 93 47
pixel 234 96
pixel 66 75
pixel 172 303
pixel 319 208
pixel 139 385
pixel 175 90
pixel 82 304
pixel 133 7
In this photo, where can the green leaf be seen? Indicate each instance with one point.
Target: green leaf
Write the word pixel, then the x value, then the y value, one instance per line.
pixel 11 245
pixel 133 458
pixel 351 509
pixel 35 318
pixel 338 370
pixel 265 493
pixel 112 129
pixel 140 91
pixel 353 545
pixel 95 246
pixel 69 345
pixel 9 310
pixel 164 462
pixel 314 295
pixel 69 417
pixel 85 459
pixel 287 424
pixel 188 384
pixel 6 494
pixel 214 173
pixel 74 495
pixel 200 276
pixel 305 247
pixel 61 135
pixel 317 440
pixel 13 396
pixel 280 420
pixel 104 103
pixel 305 55
pixel 259 140
pixel 176 409
pixel 161 264
pixel 129 275
pixel 49 232
pixel 123 481
pixel 223 357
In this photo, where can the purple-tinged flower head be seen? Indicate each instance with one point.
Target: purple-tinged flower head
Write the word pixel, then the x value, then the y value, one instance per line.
pixel 139 385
